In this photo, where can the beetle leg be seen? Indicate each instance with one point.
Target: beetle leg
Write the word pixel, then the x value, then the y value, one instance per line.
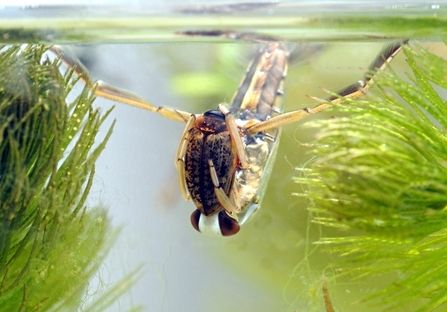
pixel 180 157
pixel 353 91
pixel 223 198
pixel 234 194
pixel 235 136
pixel 113 93
pixel 107 91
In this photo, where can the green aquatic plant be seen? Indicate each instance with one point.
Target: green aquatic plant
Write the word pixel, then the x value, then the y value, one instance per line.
pixel 51 244
pixel 383 170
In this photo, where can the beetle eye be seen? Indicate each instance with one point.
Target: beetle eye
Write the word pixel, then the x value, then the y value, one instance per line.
pixel 228 225
pixel 195 219
pixel 214 113
pixel 220 224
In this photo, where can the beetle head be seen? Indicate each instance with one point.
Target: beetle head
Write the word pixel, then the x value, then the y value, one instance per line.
pixel 211 121
pixel 218 224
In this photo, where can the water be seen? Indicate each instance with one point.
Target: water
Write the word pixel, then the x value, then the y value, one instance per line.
pixel 139 22
pixel 137 182
pixel 136 178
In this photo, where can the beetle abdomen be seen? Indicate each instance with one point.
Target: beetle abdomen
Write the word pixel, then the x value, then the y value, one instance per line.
pixel 218 148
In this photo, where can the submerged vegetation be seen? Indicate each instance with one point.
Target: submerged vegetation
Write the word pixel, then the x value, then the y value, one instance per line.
pixel 51 244
pixel 383 170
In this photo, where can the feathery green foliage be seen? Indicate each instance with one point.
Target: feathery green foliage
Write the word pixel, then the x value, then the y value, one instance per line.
pixel 383 170
pixel 50 243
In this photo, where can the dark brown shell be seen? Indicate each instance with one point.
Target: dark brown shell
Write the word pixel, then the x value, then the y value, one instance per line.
pixel 203 146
